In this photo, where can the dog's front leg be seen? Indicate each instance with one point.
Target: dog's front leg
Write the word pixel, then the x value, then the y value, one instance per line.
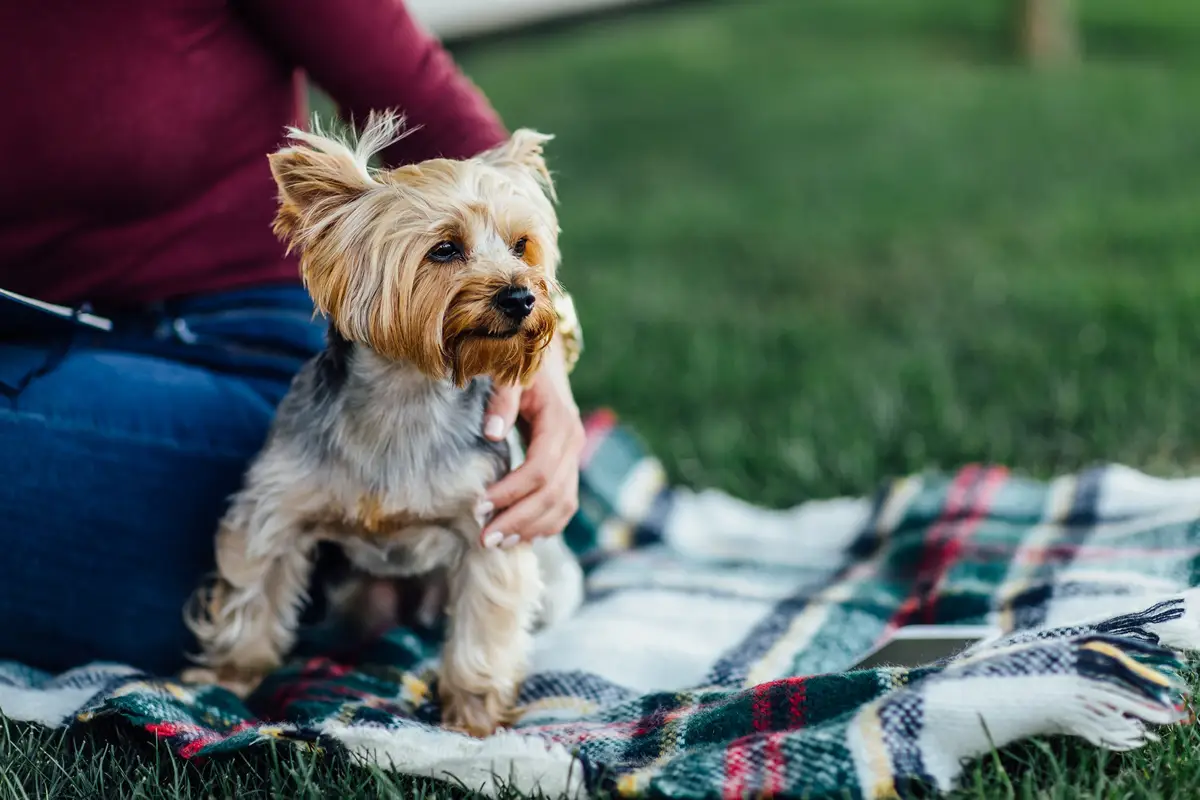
pixel 494 597
pixel 246 623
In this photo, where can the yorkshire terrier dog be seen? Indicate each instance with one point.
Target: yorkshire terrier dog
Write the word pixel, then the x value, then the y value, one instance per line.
pixel 437 280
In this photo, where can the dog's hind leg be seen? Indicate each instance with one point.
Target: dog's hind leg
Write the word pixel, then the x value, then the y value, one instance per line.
pixel 494 597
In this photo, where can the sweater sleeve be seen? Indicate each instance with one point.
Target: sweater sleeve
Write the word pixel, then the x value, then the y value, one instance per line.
pixel 372 55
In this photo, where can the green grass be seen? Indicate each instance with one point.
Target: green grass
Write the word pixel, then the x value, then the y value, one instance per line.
pixel 819 243
pixel 37 764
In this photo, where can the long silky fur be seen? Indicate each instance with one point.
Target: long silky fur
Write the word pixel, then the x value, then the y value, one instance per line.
pixel 377 447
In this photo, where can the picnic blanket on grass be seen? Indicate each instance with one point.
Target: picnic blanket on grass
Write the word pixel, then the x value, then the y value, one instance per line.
pixel 711 657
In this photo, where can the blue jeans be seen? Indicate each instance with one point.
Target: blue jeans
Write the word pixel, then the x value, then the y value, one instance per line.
pixel 116 462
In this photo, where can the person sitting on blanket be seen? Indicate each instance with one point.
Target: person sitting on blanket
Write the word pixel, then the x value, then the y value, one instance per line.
pixel 136 181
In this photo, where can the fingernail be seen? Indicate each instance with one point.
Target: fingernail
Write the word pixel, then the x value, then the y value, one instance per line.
pixel 510 541
pixel 493 427
pixel 493 540
pixel 484 510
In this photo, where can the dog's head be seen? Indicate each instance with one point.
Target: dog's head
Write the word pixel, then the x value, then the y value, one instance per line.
pixel 448 264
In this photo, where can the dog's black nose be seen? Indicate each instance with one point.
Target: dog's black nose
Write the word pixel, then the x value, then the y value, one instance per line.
pixel 514 302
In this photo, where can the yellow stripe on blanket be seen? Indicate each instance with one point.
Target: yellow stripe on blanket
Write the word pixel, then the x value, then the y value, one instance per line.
pixel 1134 666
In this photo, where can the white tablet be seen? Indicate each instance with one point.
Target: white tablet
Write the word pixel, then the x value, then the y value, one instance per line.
pixel 920 645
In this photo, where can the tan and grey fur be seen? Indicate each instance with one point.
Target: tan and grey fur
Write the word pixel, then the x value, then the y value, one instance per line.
pixel 378 445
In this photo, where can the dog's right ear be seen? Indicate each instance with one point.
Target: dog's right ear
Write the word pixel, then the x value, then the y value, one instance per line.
pixel 311 182
pixel 306 177
pixel 318 169
pixel 316 176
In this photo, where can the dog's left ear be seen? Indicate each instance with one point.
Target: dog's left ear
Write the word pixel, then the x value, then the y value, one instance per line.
pixel 523 150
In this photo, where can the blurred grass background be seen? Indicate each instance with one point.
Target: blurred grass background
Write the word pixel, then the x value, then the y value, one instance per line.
pixel 818 243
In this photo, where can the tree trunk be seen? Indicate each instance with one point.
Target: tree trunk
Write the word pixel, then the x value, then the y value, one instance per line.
pixel 1048 32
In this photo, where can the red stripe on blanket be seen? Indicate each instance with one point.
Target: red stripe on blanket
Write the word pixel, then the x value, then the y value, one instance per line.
pixel 165 730
pixel 951 550
pixel 761 707
pixel 739 755
pixel 737 758
pixel 575 732
pixel 956 497
pixel 774 761
pixel 172 730
pixel 773 765
pixel 967 502
pixel 755 764
pixel 196 745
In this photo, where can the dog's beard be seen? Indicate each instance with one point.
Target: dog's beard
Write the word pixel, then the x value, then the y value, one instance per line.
pixel 507 361
pixel 486 344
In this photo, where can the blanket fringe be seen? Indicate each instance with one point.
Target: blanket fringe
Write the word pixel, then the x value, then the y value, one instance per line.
pixel 1172 621
pixel 1180 631
pixel 1105 690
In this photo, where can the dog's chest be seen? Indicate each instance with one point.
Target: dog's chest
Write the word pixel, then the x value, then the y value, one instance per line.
pixel 405 511
pixel 401 468
pixel 384 503
pixel 411 527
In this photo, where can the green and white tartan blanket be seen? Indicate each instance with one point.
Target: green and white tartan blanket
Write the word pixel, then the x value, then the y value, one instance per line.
pixel 710 659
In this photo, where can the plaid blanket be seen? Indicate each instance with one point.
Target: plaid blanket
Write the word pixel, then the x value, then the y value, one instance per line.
pixel 711 657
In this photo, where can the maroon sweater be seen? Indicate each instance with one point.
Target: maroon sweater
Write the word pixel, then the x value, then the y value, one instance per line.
pixel 134 133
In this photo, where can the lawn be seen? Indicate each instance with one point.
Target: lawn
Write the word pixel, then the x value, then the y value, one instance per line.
pixel 816 244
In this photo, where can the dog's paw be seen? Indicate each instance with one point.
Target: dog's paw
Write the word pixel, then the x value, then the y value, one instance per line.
pixel 239 682
pixel 242 685
pixel 478 715
pixel 200 676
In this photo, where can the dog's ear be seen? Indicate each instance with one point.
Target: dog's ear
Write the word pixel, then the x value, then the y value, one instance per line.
pixel 318 172
pixel 523 150
pixel 310 181
pixel 316 176
pixel 306 176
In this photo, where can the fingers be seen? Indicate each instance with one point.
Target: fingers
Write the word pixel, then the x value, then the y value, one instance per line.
pixel 554 449
pixel 542 513
pixel 532 476
pixel 539 497
pixel 501 412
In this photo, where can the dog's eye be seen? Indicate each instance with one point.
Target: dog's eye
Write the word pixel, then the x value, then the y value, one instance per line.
pixel 519 248
pixel 445 251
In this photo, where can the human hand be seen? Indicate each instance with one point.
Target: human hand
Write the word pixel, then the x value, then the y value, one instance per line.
pixel 540 496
